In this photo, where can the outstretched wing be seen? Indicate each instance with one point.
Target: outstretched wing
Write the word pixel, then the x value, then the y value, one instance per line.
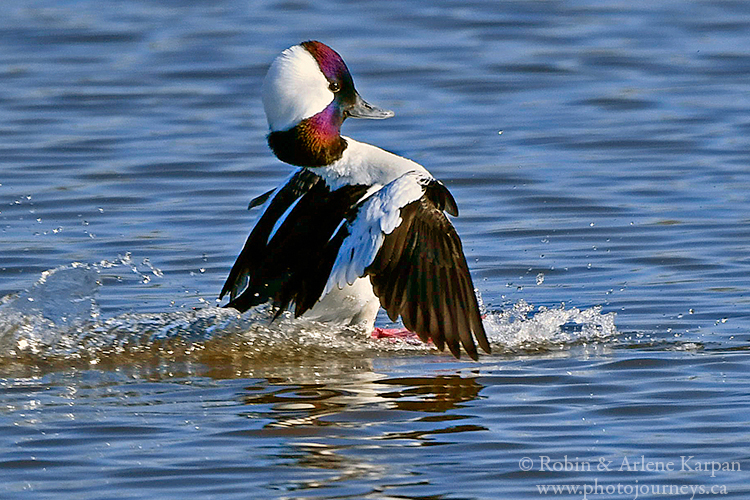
pixel 404 242
pixel 292 247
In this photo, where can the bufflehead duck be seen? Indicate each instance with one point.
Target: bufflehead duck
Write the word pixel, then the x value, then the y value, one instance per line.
pixel 355 227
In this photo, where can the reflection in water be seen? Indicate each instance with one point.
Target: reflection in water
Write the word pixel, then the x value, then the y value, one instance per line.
pixel 287 405
pixel 301 405
pixel 432 394
pixel 339 429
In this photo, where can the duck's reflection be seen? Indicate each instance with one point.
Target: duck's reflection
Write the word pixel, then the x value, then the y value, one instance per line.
pixel 431 394
pixel 288 404
pixel 341 428
pixel 436 396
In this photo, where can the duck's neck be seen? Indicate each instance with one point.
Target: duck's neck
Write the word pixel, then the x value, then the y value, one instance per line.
pixel 314 142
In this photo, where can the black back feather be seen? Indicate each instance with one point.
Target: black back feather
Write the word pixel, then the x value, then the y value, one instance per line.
pixel 294 265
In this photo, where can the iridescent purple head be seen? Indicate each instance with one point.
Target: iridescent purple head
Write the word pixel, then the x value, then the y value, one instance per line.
pixel 331 65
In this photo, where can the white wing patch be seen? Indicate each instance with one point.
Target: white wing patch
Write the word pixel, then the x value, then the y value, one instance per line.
pixel 378 216
pixel 272 196
pixel 282 219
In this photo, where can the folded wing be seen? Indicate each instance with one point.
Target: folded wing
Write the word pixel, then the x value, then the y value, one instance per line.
pixel 287 257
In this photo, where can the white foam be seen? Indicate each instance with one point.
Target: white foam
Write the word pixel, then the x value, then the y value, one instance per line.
pixel 524 328
pixel 58 317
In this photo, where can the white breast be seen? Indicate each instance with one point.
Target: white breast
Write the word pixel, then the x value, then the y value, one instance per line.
pixel 366 165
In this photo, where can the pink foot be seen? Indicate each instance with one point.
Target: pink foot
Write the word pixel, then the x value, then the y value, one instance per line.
pixel 392 333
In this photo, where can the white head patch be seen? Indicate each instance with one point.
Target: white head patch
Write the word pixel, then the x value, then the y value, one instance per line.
pixel 294 89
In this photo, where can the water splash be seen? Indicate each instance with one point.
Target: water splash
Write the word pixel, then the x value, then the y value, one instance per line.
pixel 58 318
pixel 59 303
pixel 522 328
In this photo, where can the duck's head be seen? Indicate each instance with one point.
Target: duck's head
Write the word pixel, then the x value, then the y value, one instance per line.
pixel 307 94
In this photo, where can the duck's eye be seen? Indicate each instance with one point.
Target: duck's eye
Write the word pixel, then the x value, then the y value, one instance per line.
pixel 335 87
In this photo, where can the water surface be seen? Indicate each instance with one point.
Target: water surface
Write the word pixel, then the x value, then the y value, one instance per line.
pixel 599 155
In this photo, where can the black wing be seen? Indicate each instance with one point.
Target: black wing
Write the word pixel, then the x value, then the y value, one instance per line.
pixel 291 265
pixel 420 273
pixel 259 200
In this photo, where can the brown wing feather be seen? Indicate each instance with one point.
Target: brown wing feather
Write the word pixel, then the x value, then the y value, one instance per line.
pixel 420 273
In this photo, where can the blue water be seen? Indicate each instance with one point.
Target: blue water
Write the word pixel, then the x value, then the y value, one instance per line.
pixel 599 155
